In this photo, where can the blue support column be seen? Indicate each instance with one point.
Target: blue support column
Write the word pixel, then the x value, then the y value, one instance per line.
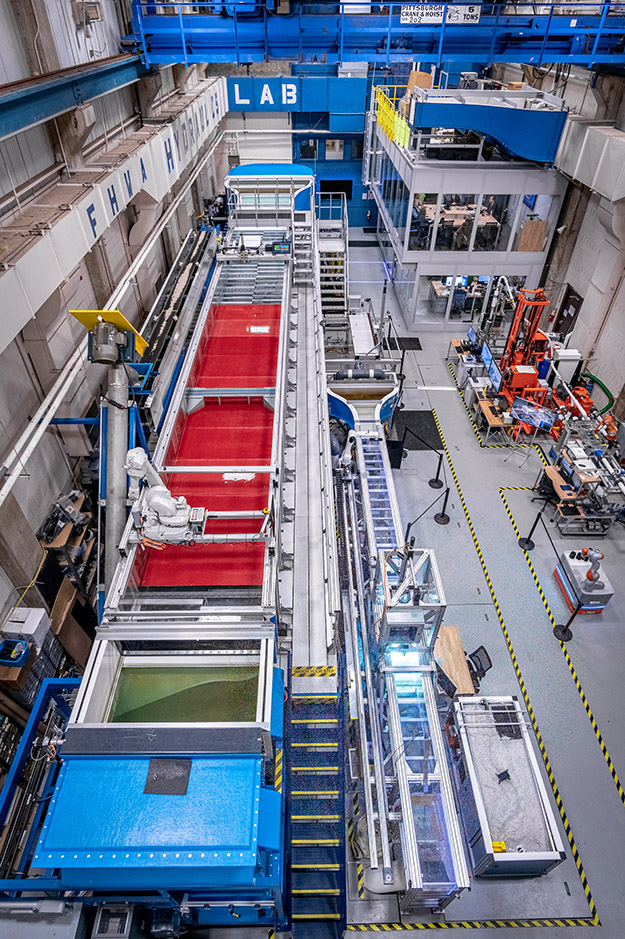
pixel 50 688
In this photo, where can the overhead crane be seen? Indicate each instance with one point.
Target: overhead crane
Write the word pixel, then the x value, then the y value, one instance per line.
pixel 587 34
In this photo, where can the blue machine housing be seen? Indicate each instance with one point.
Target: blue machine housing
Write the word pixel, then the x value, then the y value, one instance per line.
pixel 220 841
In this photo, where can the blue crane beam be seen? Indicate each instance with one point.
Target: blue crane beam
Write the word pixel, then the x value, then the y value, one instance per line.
pixel 248 32
pixel 32 101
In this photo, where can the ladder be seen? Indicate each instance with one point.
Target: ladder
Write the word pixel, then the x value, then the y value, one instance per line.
pixel 316 807
pixel 333 283
pixel 303 254
pixel 382 515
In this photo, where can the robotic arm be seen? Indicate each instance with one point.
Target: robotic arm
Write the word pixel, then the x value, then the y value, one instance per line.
pixel 161 517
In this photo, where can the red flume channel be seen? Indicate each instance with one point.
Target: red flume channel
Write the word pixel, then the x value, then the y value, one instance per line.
pixel 238 349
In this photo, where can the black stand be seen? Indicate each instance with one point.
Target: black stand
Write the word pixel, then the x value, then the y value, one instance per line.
pixel 441 518
pixel 526 543
pixel 563 633
pixel 437 482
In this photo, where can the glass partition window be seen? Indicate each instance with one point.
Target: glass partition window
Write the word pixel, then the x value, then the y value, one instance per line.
pixel 423 216
pixel 456 221
pixel 534 226
pixel 493 223
pixel 334 149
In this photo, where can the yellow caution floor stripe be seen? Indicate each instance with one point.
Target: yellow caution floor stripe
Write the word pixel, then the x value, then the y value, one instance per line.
pixel 360 874
pixel 323 793
pixel 582 694
pixel 315 818
pixel 311 866
pixel 320 744
pixel 593 920
pixel 316 720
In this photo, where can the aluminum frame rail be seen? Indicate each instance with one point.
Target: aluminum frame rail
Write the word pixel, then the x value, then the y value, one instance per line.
pixel 405 762
pixel 128 549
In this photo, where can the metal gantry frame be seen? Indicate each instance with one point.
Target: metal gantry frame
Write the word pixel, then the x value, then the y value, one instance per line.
pixel 253 32
pixel 394 604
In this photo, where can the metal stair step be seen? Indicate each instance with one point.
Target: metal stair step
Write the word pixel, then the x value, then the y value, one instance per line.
pixel 309 810
pixel 314 882
pixel 323 734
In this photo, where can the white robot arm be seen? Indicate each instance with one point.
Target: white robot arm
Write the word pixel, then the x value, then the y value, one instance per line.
pixel 161 517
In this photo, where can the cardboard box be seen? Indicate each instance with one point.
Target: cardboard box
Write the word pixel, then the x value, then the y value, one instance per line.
pixel 515 86
pixel 75 640
pixel 12 678
pixel 62 605
pixel 418 79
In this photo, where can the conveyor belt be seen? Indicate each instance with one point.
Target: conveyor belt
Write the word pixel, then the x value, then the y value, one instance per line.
pixel 239 350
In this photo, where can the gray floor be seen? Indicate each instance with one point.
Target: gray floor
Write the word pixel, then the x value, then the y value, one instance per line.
pixel 592 803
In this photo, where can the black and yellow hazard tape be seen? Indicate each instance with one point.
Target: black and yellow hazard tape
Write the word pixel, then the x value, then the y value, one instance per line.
pixel 469 924
pixel 578 685
pixel 360 876
pixel 476 430
pixel 314 671
pixel 351 836
pixel 593 919
pixel 279 760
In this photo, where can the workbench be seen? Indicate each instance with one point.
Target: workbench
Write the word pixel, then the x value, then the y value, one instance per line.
pixel 494 423
pixel 456 345
pixel 450 655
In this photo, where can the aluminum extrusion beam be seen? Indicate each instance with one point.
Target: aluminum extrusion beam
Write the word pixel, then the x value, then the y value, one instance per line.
pixel 27 103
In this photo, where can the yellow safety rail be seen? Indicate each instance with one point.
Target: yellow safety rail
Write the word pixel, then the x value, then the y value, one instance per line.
pixel 390 120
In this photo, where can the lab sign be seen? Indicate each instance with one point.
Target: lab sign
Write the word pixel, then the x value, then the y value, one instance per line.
pixel 416 14
pixel 270 94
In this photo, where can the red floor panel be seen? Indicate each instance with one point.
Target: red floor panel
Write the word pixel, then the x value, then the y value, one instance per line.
pixel 236 432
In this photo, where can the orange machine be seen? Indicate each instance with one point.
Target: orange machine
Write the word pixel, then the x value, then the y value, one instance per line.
pixel 526 347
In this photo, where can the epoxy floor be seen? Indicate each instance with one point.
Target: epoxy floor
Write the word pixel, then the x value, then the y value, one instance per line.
pixel 596 654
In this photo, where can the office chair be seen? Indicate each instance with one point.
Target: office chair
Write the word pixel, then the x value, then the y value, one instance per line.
pixel 479 663
pixel 457 304
pixel 444 237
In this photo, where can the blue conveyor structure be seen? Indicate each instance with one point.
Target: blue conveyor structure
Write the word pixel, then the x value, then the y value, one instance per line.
pixel 251 32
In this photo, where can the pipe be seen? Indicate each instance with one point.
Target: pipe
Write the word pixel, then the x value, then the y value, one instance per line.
pixel 603 387
pixel 116 448
pixel 29 439
pixel 344 374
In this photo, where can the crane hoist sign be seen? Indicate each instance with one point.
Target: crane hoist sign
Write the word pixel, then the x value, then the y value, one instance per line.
pixel 415 14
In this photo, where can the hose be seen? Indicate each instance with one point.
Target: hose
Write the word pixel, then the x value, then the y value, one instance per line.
pixel 605 390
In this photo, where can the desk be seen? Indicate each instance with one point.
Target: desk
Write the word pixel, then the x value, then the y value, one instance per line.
pixel 450 654
pixel 439 295
pixel 457 214
pixel 559 483
pixel 576 520
pixel 494 423
pixel 456 345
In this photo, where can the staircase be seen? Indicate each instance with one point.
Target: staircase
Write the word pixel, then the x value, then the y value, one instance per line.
pixel 333 283
pixel 316 808
pixel 303 272
pixel 379 497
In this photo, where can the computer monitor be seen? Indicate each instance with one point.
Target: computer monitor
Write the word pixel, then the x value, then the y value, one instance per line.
pixel 449 281
pixel 486 354
pixel 575 481
pixel 495 377
pixel 471 335
pixel 464 281
pixel 566 466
